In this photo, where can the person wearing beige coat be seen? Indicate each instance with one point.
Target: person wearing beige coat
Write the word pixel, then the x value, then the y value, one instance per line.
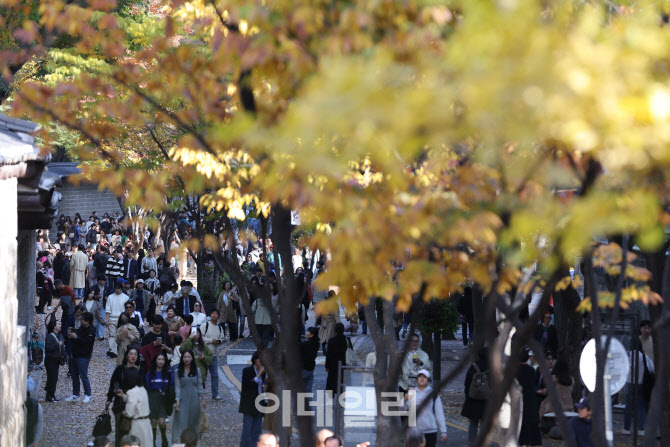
pixel 226 307
pixel 126 334
pixel 78 266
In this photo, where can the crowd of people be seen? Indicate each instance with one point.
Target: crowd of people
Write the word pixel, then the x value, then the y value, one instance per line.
pixel 165 343
pixel 539 415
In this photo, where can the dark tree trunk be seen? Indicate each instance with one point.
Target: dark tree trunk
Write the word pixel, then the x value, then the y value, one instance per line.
pixel 569 328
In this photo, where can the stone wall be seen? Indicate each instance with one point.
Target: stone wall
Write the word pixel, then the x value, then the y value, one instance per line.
pixel 84 199
pixel 13 353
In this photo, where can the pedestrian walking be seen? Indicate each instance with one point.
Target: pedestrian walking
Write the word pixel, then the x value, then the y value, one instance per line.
pixel 78 266
pixel 414 361
pixel 253 384
pixel 335 353
pixel 530 422
pixel 125 376
pixel 189 396
pixel 114 308
pixel 226 306
pixel 83 340
pixel 126 334
pixel 474 408
pixel 160 386
pixel 309 349
pixel 213 336
pixel 431 420
pixel 202 354
pixel 137 411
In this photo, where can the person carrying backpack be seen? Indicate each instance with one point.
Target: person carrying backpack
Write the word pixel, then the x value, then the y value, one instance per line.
pixel 476 390
pixel 431 420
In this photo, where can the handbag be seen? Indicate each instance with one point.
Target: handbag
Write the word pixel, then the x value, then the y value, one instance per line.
pixel 648 380
pixel 125 423
pixel 63 355
pixel 103 424
pixel 203 426
pixel 350 357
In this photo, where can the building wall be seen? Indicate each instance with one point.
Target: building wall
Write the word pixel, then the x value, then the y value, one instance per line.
pixel 25 272
pixel 13 355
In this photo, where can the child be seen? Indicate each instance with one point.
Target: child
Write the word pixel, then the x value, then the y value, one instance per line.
pixel 581 425
pixel 175 357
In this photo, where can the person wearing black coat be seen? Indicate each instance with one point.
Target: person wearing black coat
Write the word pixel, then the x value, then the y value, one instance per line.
pixel 474 409
pixel 253 384
pixel 530 421
pixel 179 303
pixel 53 349
pixel 83 340
pixel 546 334
pixel 309 349
pixel 465 309
pixel 336 352
pixel 126 376
pixel 60 267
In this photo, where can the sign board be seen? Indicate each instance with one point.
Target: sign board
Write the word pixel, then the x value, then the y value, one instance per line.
pixel 616 367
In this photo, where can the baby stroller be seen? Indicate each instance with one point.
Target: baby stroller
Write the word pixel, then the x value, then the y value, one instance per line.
pixel 36 351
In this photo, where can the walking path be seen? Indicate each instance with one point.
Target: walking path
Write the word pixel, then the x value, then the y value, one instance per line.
pixel 70 423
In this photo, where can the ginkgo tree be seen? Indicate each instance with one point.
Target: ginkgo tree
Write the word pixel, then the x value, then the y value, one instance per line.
pixel 427 142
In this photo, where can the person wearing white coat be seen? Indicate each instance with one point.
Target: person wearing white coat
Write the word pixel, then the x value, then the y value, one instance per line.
pixel 137 409
pixel 415 360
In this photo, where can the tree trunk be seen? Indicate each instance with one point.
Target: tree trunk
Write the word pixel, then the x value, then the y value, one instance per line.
pixel 288 306
pixel 200 266
pixel 569 328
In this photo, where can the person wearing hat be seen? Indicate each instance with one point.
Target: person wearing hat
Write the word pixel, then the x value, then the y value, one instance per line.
pixel 114 308
pixel 581 425
pixel 431 420
pixel 144 302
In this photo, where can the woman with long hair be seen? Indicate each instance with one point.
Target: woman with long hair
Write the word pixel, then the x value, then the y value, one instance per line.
pixel 53 347
pixel 202 354
pixel 125 377
pixel 126 332
pixel 189 396
pixel 564 384
pixel 92 305
pixel 160 383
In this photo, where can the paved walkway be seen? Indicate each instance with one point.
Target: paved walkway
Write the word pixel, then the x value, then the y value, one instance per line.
pixel 69 424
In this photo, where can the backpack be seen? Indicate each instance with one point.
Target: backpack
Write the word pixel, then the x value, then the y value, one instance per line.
pixel 166 277
pixel 479 387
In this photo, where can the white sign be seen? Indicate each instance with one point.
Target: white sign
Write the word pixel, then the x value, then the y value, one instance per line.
pixel 616 367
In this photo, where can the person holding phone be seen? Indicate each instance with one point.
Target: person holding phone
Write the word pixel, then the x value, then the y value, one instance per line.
pixel 82 340
pixel 213 335
pixel 156 341
pixel 415 360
